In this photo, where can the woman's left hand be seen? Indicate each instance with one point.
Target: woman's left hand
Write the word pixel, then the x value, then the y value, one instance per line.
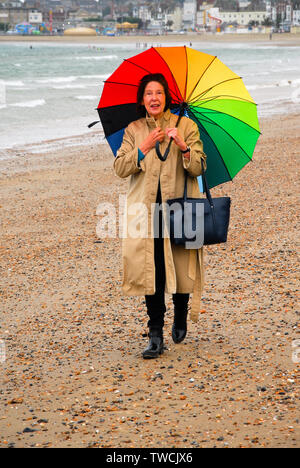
pixel 173 133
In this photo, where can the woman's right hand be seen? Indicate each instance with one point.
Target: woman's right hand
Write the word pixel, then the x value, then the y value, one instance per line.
pixel 156 135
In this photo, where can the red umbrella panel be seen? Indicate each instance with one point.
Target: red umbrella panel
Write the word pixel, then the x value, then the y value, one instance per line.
pixel 117 106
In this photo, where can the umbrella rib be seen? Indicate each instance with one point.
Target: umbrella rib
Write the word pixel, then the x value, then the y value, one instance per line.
pixel 231 178
pixel 174 81
pixel 124 84
pixel 236 118
pixel 223 96
pixel 230 136
pixel 217 84
pixel 186 74
pixel 234 98
pixel 201 78
pixel 149 72
pixel 225 113
pixel 136 65
pixel 217 125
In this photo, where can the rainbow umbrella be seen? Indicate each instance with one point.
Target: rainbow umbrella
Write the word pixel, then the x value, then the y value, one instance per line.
pixel 211 94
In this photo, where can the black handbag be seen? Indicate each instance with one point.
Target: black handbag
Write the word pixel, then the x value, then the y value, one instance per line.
pixel 212 228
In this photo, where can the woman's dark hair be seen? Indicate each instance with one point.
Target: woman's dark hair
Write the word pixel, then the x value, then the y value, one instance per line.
pixel 159 78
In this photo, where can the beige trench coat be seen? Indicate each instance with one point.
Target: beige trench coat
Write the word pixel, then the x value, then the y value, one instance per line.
pixel 184 268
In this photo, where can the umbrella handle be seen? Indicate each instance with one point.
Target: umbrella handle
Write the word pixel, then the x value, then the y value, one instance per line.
pixel 159 155
pixel 164 157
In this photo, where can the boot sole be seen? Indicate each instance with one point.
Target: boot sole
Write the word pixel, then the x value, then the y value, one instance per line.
pixel 174 338
pixel 152 356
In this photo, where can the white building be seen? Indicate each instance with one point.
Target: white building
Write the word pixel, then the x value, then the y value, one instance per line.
pixel 296 17
pixel 35 17
pixel 176 18
pixel 242 17
pixel 3 18
pixel 288 13
pixel 244 3
pixel 189 14
pixel 201 18
pixel 143 13
pixel 269 8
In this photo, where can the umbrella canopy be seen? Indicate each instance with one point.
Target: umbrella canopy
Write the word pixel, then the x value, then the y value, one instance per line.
pixel 212 95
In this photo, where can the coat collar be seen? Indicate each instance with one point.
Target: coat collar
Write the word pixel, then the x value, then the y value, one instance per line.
pixel 153 123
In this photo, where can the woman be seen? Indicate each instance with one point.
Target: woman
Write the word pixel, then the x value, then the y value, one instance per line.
pixel 153 266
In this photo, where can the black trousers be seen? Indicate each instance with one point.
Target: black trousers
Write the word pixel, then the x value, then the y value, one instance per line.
pixel 155 303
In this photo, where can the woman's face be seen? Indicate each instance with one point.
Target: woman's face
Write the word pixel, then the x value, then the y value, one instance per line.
pixel 154 99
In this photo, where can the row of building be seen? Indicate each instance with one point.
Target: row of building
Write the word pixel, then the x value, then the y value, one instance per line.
pixel 196 15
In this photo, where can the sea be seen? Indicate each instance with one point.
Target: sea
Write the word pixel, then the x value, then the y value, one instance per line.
pixel 50 91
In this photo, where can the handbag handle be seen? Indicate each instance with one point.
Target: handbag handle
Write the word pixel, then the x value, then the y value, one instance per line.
pixel 206 187
pixel 206 190
pixel 205 184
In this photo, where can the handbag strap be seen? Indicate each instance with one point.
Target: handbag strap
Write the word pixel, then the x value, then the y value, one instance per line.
pixel 205 185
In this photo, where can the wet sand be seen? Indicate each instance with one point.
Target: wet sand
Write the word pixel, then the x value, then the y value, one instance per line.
pixel 288 39
pixel 74 375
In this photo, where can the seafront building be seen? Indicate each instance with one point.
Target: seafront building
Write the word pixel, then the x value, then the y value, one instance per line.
pixel 150 17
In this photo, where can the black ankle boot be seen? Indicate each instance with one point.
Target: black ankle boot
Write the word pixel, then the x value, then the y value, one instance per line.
pixel 179 328
pixel 156 344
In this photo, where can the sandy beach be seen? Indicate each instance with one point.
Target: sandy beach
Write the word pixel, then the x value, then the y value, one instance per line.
pixel 74 375
pixel 288 39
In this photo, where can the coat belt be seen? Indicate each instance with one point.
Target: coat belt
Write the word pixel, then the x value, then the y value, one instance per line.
pixel 198 287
